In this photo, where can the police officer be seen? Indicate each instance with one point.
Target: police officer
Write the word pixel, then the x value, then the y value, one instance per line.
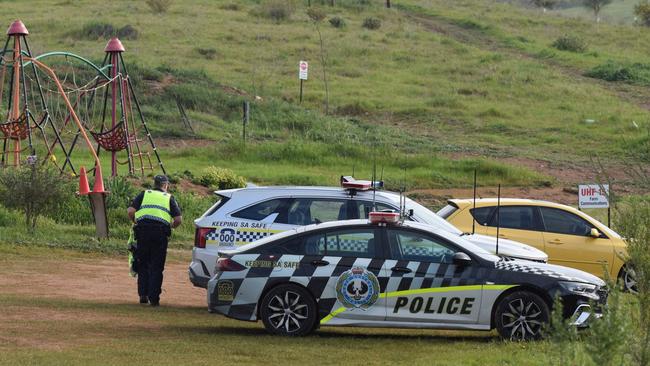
pixel 155 213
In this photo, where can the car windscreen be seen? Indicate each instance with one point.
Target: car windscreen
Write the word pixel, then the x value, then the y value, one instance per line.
pixel 426 216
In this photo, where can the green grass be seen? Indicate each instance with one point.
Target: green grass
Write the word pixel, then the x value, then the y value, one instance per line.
pixel 189 335
pixel 492 89
pixel 77 332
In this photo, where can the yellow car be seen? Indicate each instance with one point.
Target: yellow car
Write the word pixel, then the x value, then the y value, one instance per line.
pixel 570 237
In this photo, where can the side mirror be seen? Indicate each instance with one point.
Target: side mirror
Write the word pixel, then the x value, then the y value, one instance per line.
pixel 461 259
pixel 594 233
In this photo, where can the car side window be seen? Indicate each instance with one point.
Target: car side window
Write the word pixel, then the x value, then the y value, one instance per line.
pixel 482 214
pixel 562 222
pixel 305 211
pixel 415 246
pixel 515 217
pixel 343 243
pixel 261 210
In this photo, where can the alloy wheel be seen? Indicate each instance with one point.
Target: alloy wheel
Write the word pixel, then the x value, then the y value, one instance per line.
pixel 523 319
pixel 288 312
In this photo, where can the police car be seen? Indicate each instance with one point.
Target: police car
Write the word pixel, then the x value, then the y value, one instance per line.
pixel 383 272
pixel 244 215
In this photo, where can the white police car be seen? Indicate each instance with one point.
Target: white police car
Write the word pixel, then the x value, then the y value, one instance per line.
pixel 245 215
pixel 387 273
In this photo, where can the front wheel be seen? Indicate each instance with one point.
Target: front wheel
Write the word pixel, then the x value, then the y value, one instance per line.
pixel 521 316
pixel 288 310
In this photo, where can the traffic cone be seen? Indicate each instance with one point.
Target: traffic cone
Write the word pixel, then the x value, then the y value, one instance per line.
pixel 98 187
pixel 84 189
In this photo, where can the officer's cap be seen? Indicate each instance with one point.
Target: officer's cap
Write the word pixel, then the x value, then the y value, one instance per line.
pixel 161 179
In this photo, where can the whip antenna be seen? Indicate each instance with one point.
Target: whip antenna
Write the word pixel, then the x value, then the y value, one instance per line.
pixel 474 206
pixel 498 216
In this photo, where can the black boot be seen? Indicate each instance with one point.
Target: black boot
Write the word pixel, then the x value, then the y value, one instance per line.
pixel 144 299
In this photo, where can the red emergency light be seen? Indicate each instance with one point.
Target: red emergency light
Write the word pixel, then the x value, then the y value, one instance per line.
pixel 385 217
pixel 349 182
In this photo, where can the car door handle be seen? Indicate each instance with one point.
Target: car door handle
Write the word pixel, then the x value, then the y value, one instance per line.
pixel 556 242
pixel 401 269
pixel 319 263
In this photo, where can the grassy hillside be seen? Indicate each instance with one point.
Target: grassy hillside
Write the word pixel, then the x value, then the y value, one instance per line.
pixel 463 77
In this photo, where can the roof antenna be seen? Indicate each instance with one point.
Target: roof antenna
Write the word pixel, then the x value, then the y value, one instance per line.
pixel 498 216
pixel 374 178
pixel 353 170
pixel 474 206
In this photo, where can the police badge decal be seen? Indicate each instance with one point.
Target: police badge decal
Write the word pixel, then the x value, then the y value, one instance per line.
pixel 357 288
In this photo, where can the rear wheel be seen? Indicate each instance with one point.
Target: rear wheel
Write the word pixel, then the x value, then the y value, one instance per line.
pixel 288 310
pixel 627 279
pixel 521 316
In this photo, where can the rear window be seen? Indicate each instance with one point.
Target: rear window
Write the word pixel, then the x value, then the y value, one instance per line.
pixel 260 211
pixel 482 214
pixel 217 206
pixel 446 211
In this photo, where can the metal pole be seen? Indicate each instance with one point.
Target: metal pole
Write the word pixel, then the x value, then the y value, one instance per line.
pixel 301 90
pixel 498 216
pixel 246 113
pixel 474 208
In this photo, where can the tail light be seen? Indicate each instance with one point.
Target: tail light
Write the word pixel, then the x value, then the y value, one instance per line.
pixel 199 237
pixel 228 265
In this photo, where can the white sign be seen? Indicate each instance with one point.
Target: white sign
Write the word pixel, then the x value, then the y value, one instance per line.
pixel 303 70
pixel 593 196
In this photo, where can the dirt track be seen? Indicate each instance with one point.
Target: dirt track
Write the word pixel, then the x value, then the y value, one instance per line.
pixel 95 279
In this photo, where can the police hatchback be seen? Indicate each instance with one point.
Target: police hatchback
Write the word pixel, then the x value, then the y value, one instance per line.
pixel 386 273
pixel 244 215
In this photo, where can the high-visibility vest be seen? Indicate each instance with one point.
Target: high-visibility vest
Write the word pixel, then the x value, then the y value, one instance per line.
pixel 155 206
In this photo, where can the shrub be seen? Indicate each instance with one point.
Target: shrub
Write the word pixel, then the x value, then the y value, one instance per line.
pixel 102 30
pixel 220 178
pixel 371 23
pixel 159 6
pixel 208 53
pixel 34 189
pixel 128 32
pixel 612 71
pixel 570 43
pixel 337 22
pixel 277 10
pixel 316 14
pixel 231 6
pixel 642 11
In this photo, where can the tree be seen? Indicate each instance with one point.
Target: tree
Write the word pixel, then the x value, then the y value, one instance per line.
pixel 545 4
pixel 596 6
pixel 34 189
pixel 642 12
pixel 317 16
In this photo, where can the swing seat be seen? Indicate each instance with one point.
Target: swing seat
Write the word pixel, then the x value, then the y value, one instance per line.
pixel 113 139
pixel 16 129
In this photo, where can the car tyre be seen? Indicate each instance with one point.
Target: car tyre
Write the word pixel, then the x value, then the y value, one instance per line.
pixel 627 279
pixel 521 316
pixel 288 310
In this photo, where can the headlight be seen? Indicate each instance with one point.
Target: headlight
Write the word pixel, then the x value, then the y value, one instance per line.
pixel 579 288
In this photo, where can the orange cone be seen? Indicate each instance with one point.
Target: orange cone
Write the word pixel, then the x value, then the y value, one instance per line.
pixel 98 187
pixel 84 189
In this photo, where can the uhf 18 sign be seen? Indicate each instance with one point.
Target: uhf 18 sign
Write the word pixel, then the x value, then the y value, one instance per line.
pixel 303 70
pixel 593 196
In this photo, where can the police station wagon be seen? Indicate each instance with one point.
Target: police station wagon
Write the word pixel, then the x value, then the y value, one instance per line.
pixel 387 273
pixel 242 216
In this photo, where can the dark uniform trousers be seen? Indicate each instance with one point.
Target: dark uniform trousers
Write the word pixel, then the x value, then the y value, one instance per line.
pixel 150 256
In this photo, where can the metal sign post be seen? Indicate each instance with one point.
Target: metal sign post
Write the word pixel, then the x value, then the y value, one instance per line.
pixel 246 114
pixel 303 74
